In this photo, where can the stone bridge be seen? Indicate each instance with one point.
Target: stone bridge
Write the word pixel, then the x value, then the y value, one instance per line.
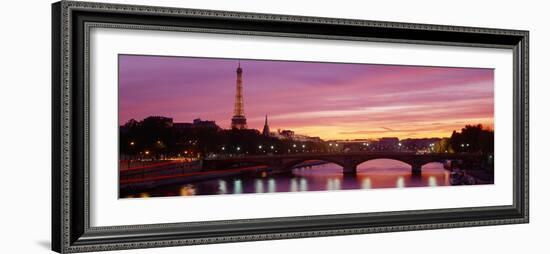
pixel 347 160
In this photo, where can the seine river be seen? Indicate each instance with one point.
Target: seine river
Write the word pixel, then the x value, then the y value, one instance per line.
pixel 373 174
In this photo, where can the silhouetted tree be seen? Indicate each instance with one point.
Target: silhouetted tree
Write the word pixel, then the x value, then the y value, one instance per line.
pixel 473 139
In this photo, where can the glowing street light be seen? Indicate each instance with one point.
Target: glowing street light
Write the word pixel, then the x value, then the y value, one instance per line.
pixel 238 148
pixel 223 148
pixel 294 145
pixel 147 152
pixel 260 147
pixel 132 143
pixel 271 147
pixel 303 146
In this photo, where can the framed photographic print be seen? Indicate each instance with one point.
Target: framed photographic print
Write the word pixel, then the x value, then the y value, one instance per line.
pixel 182 126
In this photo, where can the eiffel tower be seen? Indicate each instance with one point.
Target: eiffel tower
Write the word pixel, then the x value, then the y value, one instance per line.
pixel 239 120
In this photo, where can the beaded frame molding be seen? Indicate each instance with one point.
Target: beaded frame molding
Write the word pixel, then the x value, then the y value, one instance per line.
pixel 71 23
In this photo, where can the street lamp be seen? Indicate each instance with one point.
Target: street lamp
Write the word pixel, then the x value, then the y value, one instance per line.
pixel 260 147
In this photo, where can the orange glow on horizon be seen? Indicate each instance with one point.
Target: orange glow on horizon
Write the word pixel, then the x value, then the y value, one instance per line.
pixel 351 133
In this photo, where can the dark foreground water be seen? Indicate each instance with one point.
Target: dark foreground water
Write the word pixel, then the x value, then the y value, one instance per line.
pixel 370 175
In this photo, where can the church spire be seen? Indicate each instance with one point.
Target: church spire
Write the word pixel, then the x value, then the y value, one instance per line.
pixel 266 132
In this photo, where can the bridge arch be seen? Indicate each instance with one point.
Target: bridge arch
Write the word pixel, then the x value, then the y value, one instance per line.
pixel 365 160
pixel 416 163
pixel 291 164
pixel 374 161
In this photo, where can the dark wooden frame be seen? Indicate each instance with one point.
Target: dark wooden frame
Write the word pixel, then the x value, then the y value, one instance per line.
pixel 71 22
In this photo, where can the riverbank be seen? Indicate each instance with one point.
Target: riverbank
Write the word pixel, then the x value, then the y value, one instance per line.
pixel 177 175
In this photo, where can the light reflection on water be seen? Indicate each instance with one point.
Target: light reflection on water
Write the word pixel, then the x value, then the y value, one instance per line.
pixel 222 187
pixel 259 186
pixel 271 185
pixel 370 175
pixel 237 186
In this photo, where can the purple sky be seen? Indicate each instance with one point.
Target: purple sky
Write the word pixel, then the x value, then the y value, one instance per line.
pixel 333 101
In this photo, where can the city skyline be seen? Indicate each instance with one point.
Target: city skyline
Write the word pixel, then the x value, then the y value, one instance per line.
pixel 329 100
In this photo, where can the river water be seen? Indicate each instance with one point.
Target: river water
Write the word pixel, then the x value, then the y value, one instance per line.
pixel 373 174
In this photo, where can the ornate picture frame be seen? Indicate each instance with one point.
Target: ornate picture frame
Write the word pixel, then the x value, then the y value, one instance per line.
pixel 71 197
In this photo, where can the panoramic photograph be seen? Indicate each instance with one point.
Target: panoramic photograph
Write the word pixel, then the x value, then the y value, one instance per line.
pixel 217 126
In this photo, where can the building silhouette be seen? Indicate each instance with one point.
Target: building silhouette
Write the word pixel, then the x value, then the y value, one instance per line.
pixel 239 120
pixel 197 123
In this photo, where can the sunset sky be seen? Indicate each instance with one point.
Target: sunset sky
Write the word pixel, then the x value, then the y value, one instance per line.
pixel 329 100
